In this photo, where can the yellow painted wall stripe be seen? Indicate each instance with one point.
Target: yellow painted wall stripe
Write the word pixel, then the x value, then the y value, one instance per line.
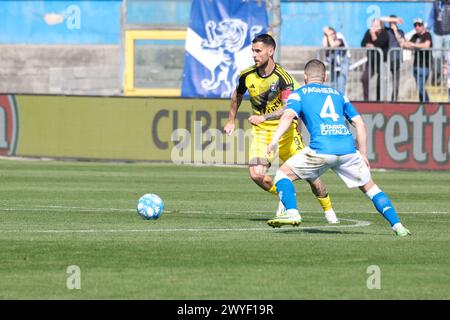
pixel 130 37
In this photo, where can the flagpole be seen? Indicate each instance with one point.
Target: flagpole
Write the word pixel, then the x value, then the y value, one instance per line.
pixel 276 26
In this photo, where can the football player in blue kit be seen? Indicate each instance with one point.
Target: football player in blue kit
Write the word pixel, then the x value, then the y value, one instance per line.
pixel 324 112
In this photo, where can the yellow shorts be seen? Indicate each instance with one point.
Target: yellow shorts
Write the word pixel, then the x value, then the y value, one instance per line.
pixel 290 143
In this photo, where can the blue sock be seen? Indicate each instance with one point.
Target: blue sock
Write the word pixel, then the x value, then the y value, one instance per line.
pixel 286 192
pixel 385 207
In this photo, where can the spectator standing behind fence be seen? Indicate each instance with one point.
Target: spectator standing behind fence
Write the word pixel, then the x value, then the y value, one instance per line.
pixel 447 72
pixel 375 37
pixel 421 42
pixel 439 23
pixel 338 59
pixel 396 40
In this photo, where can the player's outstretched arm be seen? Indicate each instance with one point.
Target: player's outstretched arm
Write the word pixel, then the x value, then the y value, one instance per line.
pixel 275 115
pixel 236 100
pixel 285 123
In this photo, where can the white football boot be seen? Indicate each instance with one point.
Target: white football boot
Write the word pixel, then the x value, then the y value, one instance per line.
pixel 331 218
pixel 291 217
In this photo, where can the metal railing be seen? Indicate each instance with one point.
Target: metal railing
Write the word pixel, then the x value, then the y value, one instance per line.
pixel 403 75
pixel 422 74
pixel 357 72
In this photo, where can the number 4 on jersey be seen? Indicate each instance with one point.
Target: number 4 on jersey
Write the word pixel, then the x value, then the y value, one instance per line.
pixel 328 109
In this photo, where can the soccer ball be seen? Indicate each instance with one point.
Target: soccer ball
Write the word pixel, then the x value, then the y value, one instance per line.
pixel 150 206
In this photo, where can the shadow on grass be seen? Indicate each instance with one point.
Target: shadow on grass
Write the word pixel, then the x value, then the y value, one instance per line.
pixel 310 230
pixel 318 231
pixel 260 219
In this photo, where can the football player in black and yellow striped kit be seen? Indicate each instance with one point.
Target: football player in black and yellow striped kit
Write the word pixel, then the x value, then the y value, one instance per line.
pixel 269 86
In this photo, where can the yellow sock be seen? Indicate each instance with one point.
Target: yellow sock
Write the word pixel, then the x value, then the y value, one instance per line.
pixel 273 190
pixel 325 203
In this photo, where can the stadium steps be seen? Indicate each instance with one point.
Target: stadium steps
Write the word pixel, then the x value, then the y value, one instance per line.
pixel 60 69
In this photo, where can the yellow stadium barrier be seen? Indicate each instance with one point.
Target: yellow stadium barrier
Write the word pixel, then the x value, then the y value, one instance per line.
pixel 130 37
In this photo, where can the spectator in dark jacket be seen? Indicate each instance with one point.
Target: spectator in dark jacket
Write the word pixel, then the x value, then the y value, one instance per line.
pixel 396 40
pixel 421 42
pixel 375 37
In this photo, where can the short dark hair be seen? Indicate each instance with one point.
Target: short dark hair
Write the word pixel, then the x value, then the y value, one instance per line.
pixel 266 39
pixel 315 70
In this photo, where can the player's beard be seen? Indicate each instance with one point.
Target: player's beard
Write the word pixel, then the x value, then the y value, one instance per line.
pixel 262 66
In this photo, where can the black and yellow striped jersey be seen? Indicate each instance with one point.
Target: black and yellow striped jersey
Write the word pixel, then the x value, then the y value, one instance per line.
pixel 265 92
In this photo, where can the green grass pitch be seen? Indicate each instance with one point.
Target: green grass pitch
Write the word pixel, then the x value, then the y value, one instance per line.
pixel 213 242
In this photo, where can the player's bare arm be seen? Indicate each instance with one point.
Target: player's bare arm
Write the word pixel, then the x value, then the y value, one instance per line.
pixel 392 20
pixel 236 100
pixel 275 115
pixel 285 123
pixel 413 45
pixel 361 137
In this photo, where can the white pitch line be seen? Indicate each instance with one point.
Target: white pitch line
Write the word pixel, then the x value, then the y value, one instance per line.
pixel 264 212
pixel 358 223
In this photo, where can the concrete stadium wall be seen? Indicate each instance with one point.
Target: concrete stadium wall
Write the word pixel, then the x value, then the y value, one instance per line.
pixel 79 55
pixel 60 22
pixel 98 21
pixel 61 69
pixel 86 69
pixel 303 22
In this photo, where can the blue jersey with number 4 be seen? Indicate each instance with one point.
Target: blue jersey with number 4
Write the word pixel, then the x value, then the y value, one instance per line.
pixel 324 110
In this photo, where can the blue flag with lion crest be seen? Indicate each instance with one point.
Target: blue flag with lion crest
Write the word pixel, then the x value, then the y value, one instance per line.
pixel 218 45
